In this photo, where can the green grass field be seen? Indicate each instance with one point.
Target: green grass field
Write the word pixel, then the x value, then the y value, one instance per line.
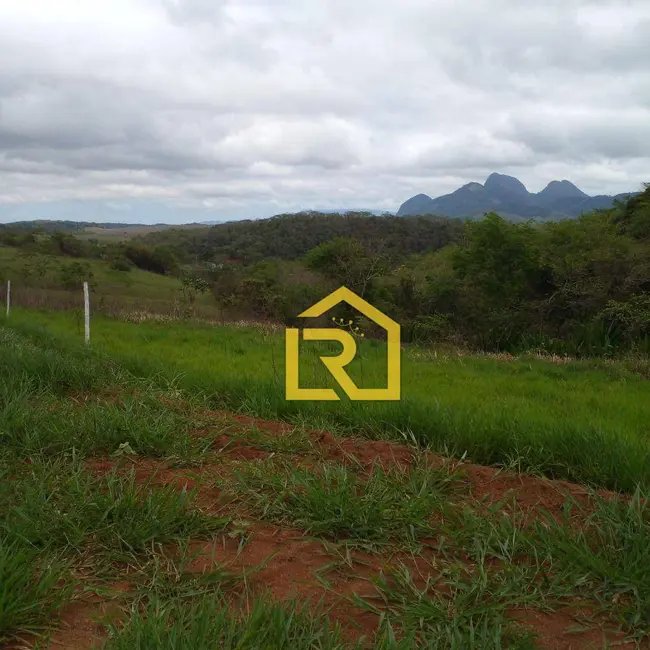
pixel 585 421
pixel 115 481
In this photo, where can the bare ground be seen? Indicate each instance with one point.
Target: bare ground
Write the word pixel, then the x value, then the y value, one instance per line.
pixel 284 563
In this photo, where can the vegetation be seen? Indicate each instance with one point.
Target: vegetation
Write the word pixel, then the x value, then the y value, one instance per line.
pixel 581 420
pixel 45 280
pixel 111 454
pixel 331 500
pixel 207 624
pixel 578 286
pixel 134 481
pixel 290 236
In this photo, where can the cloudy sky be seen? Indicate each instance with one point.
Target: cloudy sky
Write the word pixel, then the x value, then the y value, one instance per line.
pixel 176 110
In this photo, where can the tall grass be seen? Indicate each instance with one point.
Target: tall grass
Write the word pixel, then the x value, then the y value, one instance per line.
pixel 455 608
pixel 61 401
pixel 331 500
pixel 57 504
pixel 33 588
pixel 582 420
pixel 608 558
pixel 209 623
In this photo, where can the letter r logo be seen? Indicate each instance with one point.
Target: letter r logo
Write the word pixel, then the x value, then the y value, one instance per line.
pixel 336 365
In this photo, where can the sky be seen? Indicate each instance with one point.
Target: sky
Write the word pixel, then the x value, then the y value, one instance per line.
pixel 144 111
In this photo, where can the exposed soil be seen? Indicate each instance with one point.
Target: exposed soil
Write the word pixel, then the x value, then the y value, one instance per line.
pixel 283 563
pixel 561 630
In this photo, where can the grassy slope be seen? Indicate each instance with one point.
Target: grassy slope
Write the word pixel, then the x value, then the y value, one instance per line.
pixel 584 421
pixel 127 286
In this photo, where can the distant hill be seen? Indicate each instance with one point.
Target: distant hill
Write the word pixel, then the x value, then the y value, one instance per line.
pixel 100 231
pixel 290 236
pixel 52 225
pixel 375 213
pixel 509 197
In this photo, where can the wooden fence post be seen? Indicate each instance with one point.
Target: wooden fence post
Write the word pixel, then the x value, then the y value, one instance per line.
pixel 87 313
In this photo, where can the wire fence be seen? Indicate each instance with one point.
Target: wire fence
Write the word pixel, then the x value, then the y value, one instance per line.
pixel 133 309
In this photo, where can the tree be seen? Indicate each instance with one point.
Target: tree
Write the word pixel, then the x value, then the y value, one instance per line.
pixel 630 320
pixel 346 262
pixel 160 259
pixel 193 286
pixel 68 245
pixel 500 259
pixel 633 216
pixel 500 276
pixel 73 275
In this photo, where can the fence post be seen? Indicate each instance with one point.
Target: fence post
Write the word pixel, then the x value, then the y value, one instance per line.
pixel 87 313
pixel 8 296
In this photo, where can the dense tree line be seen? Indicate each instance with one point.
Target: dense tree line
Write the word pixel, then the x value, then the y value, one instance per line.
pixel 49 226
pixel 290 236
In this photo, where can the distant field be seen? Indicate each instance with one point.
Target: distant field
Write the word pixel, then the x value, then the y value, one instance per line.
pixel 128 232
pixel 585 421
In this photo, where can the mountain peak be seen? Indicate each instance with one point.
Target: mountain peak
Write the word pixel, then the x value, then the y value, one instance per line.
pixel 508 197
pixel 561 190
pixel 417 204
pixel 473 187
pixel 502 183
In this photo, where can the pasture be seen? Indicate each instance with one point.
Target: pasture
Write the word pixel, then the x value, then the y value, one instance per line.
pixel 158 492
pixel 581 420
pixel 126 233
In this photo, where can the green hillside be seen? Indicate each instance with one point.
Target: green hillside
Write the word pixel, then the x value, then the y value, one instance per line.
pixel 50 281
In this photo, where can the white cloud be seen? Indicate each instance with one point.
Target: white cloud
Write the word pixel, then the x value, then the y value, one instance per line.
pixel 239 105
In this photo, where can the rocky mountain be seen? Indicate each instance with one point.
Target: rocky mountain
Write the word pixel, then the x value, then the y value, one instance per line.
pixel 509 197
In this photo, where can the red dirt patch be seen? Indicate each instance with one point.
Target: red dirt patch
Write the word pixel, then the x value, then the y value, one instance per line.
pixel 80 626
pixel 365 453
pixel 490 483
pixel 157 472
pixel 239 421
pixel 237 449
pixel 562 630
pixel 79 629
pixel 529 492
pixel 284 563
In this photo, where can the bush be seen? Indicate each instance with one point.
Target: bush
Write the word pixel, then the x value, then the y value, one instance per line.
pixel 428 329
pixel 157 260
pixel 72 276
pixel 120 264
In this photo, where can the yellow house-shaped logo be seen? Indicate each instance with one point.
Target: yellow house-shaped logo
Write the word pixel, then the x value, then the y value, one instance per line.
pixel 336 365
